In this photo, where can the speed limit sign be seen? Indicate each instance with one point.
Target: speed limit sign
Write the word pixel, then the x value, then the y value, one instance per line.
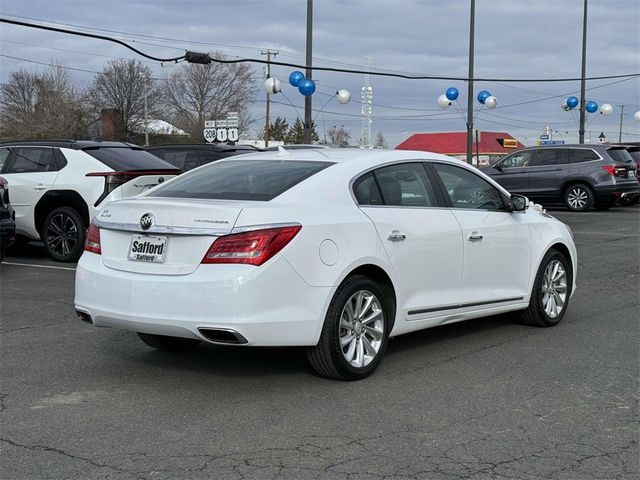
pixel 210 134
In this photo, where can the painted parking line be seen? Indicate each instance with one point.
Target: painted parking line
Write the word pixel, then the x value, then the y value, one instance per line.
pixel 38 266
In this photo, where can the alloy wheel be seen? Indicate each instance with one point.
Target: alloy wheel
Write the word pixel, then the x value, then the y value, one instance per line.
pixel 361 330
pixel 62 235
pixel 578 198
pixel 554 289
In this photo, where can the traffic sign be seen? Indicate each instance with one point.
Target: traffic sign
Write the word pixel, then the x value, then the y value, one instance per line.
pixel 210 134
pixel 552 142
pixel 544 137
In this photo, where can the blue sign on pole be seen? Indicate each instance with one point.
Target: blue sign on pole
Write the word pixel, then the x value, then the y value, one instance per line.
pixel 552 142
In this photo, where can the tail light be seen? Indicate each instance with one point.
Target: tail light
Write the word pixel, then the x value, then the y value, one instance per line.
pixel 612 170
pixel 253 248
pixel 92 243
pixel 113 180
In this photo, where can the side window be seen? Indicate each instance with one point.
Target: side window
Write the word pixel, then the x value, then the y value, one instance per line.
pixel 366 190
pixel 405 184
pixel 468 190
pixel 175 158
pixel 550 156
pixel 579 155
pixel 517 160
pixel 30 160
pixel 4 155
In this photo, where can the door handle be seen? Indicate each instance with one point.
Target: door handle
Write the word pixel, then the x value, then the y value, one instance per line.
pixel 475 237
pixel 396 236
pixel 40 186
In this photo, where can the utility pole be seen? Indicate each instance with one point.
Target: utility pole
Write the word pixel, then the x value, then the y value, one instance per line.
pixel 584 74
pixel 308 73
pixel 620 132
pixel 472 21
pixel 268 53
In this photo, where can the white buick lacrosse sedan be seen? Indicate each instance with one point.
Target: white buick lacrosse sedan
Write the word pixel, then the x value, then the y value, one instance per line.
pixel 335 250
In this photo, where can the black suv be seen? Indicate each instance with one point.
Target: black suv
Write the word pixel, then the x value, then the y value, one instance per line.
pixel 185 157
pixel 578 176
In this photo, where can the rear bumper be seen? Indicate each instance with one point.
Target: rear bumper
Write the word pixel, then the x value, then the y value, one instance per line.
pixel 267 306
pixel 618 190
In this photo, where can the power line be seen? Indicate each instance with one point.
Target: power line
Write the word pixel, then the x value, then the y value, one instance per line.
pixel 199 58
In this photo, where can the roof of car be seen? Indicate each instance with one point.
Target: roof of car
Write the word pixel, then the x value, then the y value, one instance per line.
pixel 339 155
pixel 216 146
pixel 73 144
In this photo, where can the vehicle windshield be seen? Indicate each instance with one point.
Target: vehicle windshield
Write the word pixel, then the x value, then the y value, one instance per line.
pixel 123 159
pixel 260 180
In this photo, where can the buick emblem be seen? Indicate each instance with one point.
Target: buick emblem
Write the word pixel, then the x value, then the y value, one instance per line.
pixel 146 221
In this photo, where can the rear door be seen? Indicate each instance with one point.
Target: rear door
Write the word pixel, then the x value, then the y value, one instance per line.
pixel 549 169
pixel 422 240
pixel 31 172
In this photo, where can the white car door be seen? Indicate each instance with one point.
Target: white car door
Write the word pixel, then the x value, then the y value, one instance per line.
pixel 30 171
pixel 423 242
pixel 496 242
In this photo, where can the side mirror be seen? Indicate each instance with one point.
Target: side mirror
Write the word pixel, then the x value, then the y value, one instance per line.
pixel 518 203
pixel 498 166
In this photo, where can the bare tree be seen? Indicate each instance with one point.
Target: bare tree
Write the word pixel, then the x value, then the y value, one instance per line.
pixel 41 105
pixel 339 136
pixel 196 93
pixel 123 85
pixel 380 141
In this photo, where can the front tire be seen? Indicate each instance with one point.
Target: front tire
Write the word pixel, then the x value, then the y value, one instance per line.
pixel 63 234
pixel 551 292
pixel 164 342
pixel 355 332
pixel 578 197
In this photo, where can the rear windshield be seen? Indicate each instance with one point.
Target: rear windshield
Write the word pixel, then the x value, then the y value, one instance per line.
pixel 122 159
pixel 241 180
pixel 620 155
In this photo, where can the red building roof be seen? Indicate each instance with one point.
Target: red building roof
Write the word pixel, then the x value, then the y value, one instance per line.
pixel 455 143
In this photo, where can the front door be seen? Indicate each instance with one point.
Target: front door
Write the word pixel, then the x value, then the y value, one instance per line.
pixel 496 242
pixel 513 172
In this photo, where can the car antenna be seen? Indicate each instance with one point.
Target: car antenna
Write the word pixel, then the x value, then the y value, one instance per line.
pixel 282 152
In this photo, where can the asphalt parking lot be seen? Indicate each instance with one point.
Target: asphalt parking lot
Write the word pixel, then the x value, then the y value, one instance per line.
pixel 478 400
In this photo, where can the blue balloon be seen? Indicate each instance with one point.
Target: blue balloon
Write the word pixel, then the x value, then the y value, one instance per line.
pixel 295 77
pixel 306 87
pixel 572 102
pixel 483 95
pixel 591 107
pixel 452 93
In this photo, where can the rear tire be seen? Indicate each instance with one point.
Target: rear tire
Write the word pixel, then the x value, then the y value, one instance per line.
pixel 355 332
pixel 164 342
pixel 578 197
pixel 63 234
pixel 551 292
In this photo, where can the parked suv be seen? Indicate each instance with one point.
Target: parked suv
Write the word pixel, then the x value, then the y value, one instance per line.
pixel 186 157
pixel 58 186
pixel 578 176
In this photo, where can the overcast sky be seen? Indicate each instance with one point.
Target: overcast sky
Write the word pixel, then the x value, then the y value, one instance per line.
pixel 514 39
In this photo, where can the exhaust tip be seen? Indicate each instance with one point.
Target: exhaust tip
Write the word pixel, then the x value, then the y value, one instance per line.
pixel 84 316
pixel 220 335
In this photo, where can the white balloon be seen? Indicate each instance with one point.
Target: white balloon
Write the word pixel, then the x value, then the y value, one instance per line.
pixel 606 109
pixel 272 85
pixel 444 102
pixel 636 116
pixel 491 102
pixel 343 96
pixel 564 106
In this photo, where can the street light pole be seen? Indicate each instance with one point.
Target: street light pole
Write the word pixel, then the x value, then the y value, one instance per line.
pixel 308 73
pixel 584 74
pixel 472 20
pixel 620 131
